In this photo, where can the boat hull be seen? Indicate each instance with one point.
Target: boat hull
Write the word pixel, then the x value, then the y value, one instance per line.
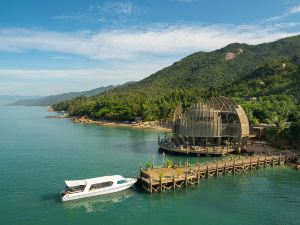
pixel 75 196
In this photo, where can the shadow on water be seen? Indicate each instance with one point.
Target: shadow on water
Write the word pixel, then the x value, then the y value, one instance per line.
pixel 135 147
pixel 99 203
pixel 138 189
pixel 50 197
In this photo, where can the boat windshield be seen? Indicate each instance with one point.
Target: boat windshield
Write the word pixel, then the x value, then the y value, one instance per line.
pixel 122 181
pixel 79 188
pixel 101 185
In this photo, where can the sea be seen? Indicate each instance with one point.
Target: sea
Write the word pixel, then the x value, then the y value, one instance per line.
pixel 37 154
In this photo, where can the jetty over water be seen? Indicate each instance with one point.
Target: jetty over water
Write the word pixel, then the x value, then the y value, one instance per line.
pixel 174 177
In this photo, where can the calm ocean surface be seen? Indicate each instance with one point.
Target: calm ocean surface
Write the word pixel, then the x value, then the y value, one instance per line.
pixel 37 154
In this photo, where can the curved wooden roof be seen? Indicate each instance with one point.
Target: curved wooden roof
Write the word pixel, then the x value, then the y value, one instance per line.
pixel 218 117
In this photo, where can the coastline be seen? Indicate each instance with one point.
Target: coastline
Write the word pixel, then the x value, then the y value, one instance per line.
pixel 150 125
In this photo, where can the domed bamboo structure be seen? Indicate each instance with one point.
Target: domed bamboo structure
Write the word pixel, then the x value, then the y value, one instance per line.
pixel 219 123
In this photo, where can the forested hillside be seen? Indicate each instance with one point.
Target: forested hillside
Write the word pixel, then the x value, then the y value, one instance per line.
pixel 267 71
pixel 274 88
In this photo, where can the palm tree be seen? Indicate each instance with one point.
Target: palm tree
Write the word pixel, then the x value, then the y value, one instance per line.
pixel 279 124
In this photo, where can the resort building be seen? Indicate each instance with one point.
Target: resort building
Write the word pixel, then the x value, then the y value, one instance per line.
pixel 217 127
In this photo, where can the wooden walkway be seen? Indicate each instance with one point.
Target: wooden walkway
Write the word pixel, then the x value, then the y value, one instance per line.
pixel 198 151
pixel 162 179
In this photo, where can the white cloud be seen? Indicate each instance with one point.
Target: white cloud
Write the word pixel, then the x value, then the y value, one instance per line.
pixel 123 73
pixel 111 12
pixel 46 82
pixel 295 9
pixel 124 55
pixel 61 57
pixel 290 11
pixel 117 8
pixel 136 43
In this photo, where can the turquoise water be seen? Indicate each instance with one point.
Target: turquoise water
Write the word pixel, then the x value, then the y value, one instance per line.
pixel 37 154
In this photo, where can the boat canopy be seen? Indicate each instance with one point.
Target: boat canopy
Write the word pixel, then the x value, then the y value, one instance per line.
pixel 75 183
pixel 96 180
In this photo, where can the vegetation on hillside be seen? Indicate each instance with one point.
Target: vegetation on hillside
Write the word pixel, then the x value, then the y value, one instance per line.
pixel 264 79
pixel 276 86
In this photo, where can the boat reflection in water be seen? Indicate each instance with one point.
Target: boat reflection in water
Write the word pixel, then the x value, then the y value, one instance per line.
pixel 101 202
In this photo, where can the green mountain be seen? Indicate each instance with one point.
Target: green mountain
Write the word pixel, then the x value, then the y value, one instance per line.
pixel 53 99
pixel 237 70
pixel 9 99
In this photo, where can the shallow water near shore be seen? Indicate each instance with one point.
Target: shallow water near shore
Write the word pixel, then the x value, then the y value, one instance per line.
pixel 37 154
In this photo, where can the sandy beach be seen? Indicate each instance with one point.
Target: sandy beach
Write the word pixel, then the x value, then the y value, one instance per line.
pixel 142 125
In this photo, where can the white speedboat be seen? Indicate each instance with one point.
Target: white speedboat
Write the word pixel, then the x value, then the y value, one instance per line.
pixel 76 189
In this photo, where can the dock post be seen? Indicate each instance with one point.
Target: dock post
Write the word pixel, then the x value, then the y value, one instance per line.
pixel 243 167
pixel 265 160
pixel 207 172
pixel 150 185
pixel 160 184
pixel 282 159
pixel 174 184
pixel 186 181
pixel 279 159
pixel 217 173
pixel 233 166
pixel 198 177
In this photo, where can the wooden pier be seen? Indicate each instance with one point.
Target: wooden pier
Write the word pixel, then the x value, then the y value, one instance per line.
pixel 172 178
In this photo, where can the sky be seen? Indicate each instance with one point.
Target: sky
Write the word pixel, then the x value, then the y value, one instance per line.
pixel 56 46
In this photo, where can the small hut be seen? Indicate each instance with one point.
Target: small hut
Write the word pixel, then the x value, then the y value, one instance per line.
pixel 217 123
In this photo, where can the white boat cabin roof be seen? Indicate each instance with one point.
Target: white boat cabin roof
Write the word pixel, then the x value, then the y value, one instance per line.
pixel 96 180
